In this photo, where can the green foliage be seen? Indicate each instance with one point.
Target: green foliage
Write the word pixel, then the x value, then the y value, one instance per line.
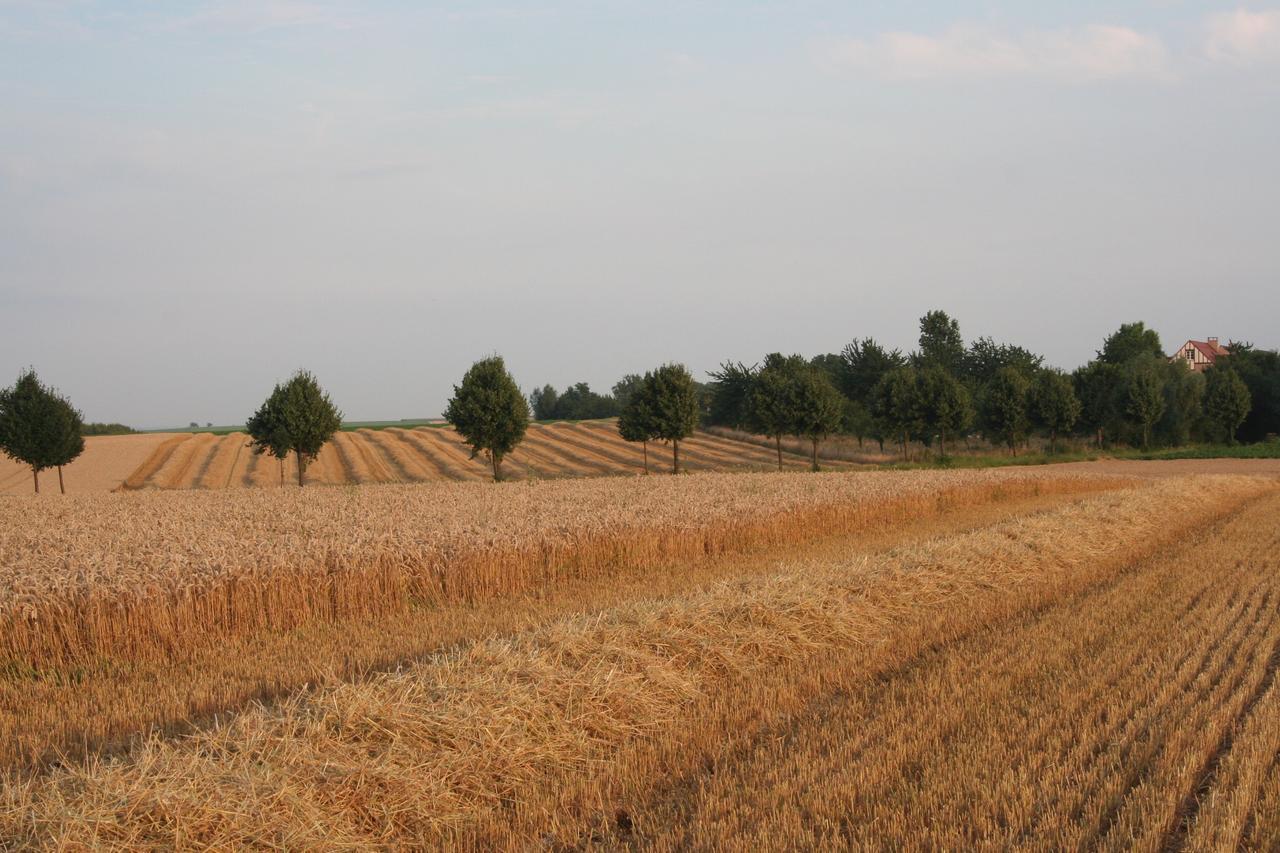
pixel 818 408
pixel 107 429
pixel 1226 401
pixel 577 403
pixel 625 387
pixel 297 417
pixel 731 389
pixel 896 405
pixel 1006 408
pixel 266 427
pixel 543 401
pixel 856 421
pixel 638 421
pixel 1130 341
pixel 940 343
pixel 1260 372
pixel 1183 394
pixel 310 418
pixel 1144 399
pixel 944 404
pixel 38 427
pixel 674 401
pixel 488 411
pixel 1054 404
pixel 1098 387
pixel 865 364
pixel 985 358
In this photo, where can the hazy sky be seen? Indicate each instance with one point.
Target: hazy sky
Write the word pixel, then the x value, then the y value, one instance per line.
pixel 197 198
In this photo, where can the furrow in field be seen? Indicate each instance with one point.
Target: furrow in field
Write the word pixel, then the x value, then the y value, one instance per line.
pixel 426 455
pixel 370 459
pixel 725 455
pixel 543 459
pixel 216 470
pixel 570 461
pixel 461 453
pixel 407 465
pixel 158 459
pixel 178 470
pixel 452 454
pixel 760 455
pixel 618 458
pixel 697 455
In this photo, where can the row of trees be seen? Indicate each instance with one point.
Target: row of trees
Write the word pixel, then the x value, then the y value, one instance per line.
pixel 1130 393
pixel 490 413
pixel 39 427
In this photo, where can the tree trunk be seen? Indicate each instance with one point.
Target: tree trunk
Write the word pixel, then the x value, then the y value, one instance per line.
pixel 1146 436
pixel 904 447
pixel 35 475
pixel 1053 442
pixel 1013 447
pixel 62 489
pixel 280 459
pixel 777 440
pixel 881 440
pixel 815 453
pixel 675 456
pixel 497 461
pixel 302 467
pixel 646 457
pixel 942 444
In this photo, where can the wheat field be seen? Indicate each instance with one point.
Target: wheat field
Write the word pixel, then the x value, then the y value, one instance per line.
pixel 936 660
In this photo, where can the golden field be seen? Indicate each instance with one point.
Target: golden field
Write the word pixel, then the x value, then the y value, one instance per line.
pixel 1035 658
pixel 393 455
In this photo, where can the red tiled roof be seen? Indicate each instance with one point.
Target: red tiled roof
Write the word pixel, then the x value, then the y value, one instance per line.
pixel 1210 351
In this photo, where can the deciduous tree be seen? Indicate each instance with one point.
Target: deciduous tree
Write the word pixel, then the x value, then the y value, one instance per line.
pixel 1226 401
pixel 38 427
pixel 488 411
pixel 1005 407
pixel 896 405
pixel 310 419
pixel 1144 400
pixel 819 409
pixel 1054 404
pixel 945 406
pixel 674 401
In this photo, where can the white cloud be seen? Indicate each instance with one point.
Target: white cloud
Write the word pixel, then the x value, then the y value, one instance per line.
pixel 1243 37
pixel 1093 52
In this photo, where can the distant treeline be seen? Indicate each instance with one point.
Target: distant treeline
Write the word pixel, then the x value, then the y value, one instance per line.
pixel 1131 393
pixel 107 429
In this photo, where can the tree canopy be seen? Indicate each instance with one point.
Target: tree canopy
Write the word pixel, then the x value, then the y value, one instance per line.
pixel 1226 401
pixel 38 427
pixel 488 411
pixel 673 398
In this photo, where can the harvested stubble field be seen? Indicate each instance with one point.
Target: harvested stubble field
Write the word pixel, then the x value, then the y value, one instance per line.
pixel 917 659
pixel 392 455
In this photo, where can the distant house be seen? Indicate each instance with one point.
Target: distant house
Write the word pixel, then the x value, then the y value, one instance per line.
pixel 1199 354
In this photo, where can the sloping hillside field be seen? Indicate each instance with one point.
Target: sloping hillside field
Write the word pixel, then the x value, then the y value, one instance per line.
pixel 998 659
pixel 421 455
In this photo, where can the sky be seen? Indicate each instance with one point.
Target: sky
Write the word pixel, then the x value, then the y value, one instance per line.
pixel 198 198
